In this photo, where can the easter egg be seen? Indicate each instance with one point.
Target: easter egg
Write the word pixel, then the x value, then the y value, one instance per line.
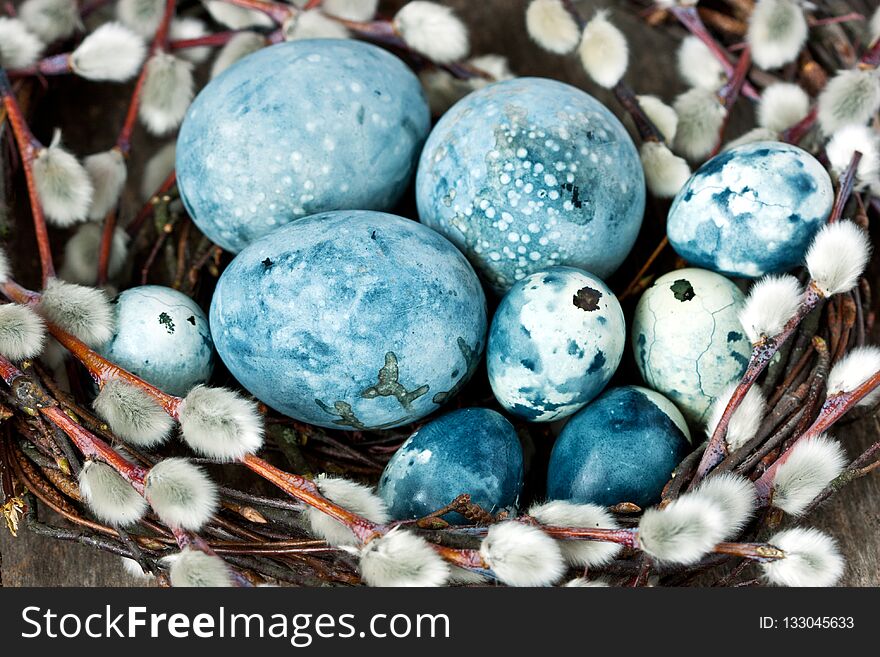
pixel 163 337
pixel 688 340
pixel 621 447
pixel 295 129
pixel 556 339
pixel 752 210
pixel 350 319
pixel 530 173
pixel 471 450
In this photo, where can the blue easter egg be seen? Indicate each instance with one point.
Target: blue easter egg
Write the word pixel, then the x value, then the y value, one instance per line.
pixel 555 341
pixel 622 447
pixel 163 337
pixel 688 340
pixel 296 129
pixel 350 319
pixel 752 210
pixel 529 173
pixel 471 450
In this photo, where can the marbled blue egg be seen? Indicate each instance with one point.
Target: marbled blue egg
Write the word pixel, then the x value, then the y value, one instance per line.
pixel 471 450
pixel 162 335
pixel 752 210
pixel 621 447
pixel 296 129
pixel 687 338
pixel 555 341
pixel 530 173
pixel 350 319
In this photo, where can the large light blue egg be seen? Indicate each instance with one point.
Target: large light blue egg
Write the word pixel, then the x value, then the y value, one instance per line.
pixel 350 319
pixel 622 447
pixel 555 341
pixel 472 450
pixel 752 210
pixel 687 338
pixel 296 129
pixel 163 337
pixel 530 173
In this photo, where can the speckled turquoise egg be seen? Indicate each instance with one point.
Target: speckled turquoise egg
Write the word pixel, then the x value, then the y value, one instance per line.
pixel 295 129
pixel 752 210
pixel 555 341
pixel 622 447
pixel 472 450
pixel 350 319
pixel 163 337
pixel 688 340
pixel 529 173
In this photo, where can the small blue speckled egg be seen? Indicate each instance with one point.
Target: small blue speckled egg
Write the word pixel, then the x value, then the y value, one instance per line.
pixel 555 341
pixel 688 340
pixel 471 450
pixel 752 210
pixel 530 173
pixel 350 319
pixel 163 337
pixel 295 129
pixel 622 447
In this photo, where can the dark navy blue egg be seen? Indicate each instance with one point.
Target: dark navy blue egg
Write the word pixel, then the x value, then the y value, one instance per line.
pixel 350 319
pixel 622 447
pixel 752 210
pixel 530 173
pixel 472 450
pixel 295 129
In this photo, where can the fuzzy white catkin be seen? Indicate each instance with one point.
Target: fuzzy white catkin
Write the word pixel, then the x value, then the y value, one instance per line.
pixel 401 558
pixel 193 568
pixel 63 185
pixel 157 169
pixel 432 30
pixel 837 257
pixel 683 532
pixel 5 268
pixel 752 136
pixel 108 172
pixel 112 52
pixel 782 105
pixel 141 16
pixel 661 115
pixel 845 142
pixel 603 51
pixel 561 513
pixel 697 65
pixel 81 251
pixel 110 497
pixel 874 25
pixel 167 93
pixel 186 28
pixel 700 117
pixel 82 311
pixel 810 466
pixel 22 333
pixel 353 10
pixel 181 493
pixel 665 172
pixel 771 302
pixel 777 32
pixel 238 47
pixel 854 369
pixel 132 414
pixel 811 559
pixel 746 420
pixel 314 24
pixel 552 27
pixel 19 47
pixel 356 498
pixel 220 424
pixel 236 18
pixel 735 496
pixel 522 555
pixel 850 97
pixel 50 20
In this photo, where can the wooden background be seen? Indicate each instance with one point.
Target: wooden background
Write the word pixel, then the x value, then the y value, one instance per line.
pixel 497 26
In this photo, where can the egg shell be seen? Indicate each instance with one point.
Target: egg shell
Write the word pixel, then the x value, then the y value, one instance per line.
pixel 621 447
pixel 752 210
pixel 688 340
pixel 350 319
pixel 163 337
pixel 471 450
pixel 555 342
pixel 530 173
pixel 295 129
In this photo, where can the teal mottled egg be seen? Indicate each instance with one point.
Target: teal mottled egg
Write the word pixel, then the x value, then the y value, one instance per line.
pixel 555 342
pixel 752 210
pixel 688 340
pixel 163 337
